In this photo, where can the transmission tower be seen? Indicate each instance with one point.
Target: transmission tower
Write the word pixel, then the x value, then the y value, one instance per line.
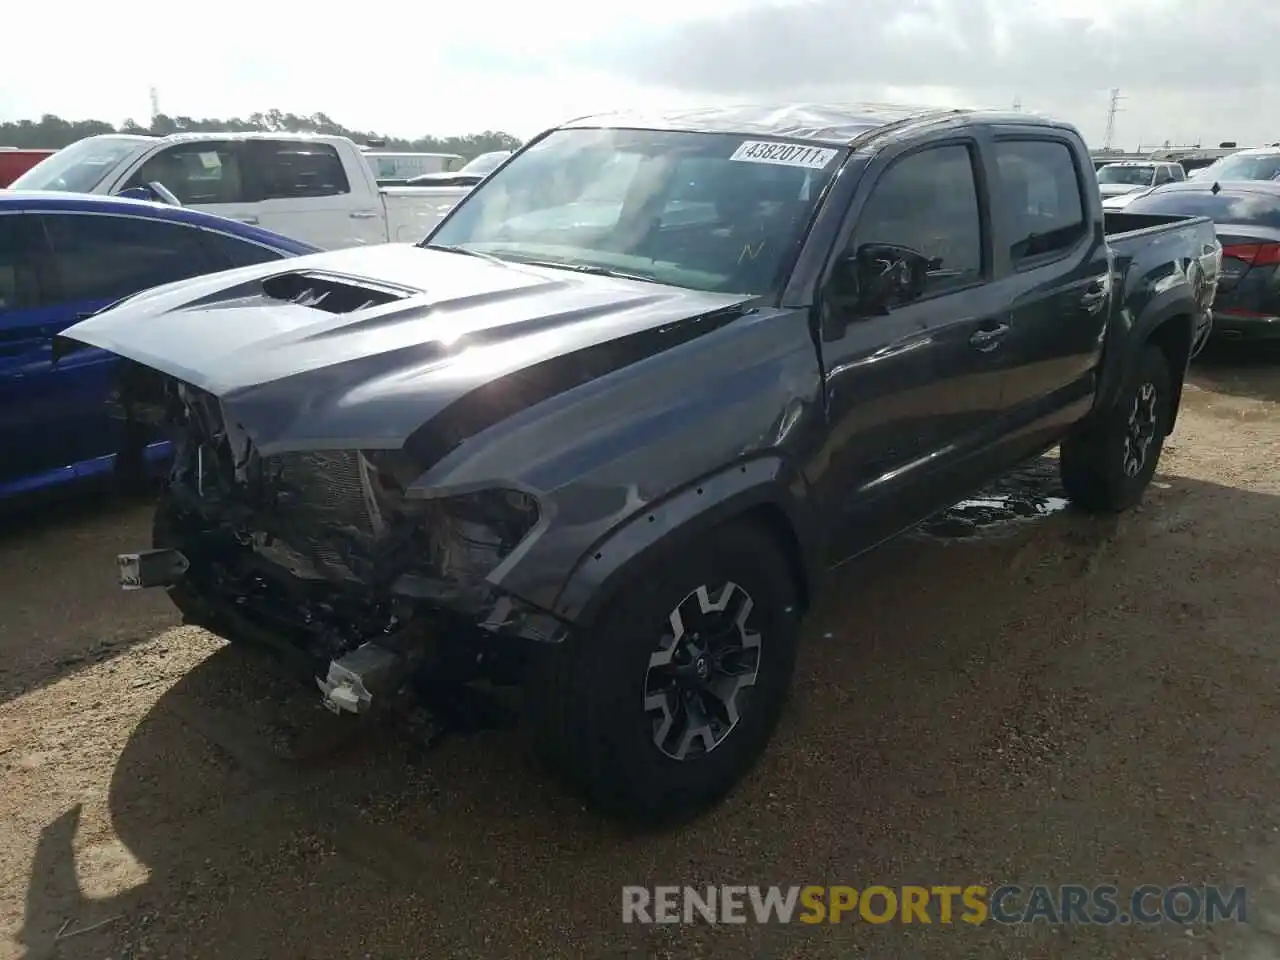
pixel 1112 110
pixel 155 104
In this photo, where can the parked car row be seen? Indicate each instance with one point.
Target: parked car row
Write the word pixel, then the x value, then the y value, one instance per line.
pixel 468 176
pixel 607 428
pixel 1127 176
pixel 392 168
pixel 316 189
pixel 1240 192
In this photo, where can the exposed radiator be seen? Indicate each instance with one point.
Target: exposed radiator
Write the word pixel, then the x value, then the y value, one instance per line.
pixel 326 493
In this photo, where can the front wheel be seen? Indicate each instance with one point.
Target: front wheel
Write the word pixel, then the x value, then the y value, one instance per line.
pixel 1107 466
pixel 668 699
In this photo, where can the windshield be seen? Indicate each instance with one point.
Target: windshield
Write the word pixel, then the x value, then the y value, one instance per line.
pixel 1244 167
pixel 486 162
pixel 77 168
pixel 711 212
pixel 1228 206
pixel 1134 176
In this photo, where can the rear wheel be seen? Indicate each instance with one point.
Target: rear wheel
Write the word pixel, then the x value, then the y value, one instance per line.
pixel 667 700
pixel 1107 467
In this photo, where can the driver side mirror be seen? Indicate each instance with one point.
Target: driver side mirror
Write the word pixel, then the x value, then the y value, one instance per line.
pixel 878 277
pixel 154 192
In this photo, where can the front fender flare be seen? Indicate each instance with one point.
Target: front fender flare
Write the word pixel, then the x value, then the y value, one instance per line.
pixel 768 481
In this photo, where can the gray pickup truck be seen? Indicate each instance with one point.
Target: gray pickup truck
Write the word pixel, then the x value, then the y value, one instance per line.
pixel 607 429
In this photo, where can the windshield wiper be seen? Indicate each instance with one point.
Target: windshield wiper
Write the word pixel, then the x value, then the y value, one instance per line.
pixel 593 269
pixel 452 248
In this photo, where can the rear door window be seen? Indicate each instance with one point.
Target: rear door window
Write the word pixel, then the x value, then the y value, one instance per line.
pixel 235 252
pixel 290 170
pixel 104 257
pixel 1042 193
pixel 19 288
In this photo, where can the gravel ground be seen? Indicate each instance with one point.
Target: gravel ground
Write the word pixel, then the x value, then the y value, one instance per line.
pixel 1055 699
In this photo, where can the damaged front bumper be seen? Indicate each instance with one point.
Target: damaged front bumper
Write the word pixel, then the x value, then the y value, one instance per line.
pixel 332 553
pixel 351 682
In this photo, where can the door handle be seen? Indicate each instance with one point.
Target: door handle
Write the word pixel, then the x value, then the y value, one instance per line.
pixel 1094 296
pixel 249 220
pixel 363 214
pixel 985 340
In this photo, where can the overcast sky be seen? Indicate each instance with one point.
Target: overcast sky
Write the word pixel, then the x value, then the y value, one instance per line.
pixel 1188 69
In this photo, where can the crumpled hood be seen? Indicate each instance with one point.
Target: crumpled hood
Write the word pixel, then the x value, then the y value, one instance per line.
pixel 297 375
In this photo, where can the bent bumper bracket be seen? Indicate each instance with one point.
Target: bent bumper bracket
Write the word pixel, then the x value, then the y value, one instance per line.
pixel 151 568
pixel 354 678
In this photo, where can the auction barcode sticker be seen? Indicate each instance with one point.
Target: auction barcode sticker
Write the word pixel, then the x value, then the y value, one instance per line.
pixel 784 154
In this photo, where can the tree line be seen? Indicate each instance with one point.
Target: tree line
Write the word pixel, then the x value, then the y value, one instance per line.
pixel 53 132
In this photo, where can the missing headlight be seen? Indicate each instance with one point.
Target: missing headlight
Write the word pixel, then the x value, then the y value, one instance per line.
pixel 473 533
pixel 468 536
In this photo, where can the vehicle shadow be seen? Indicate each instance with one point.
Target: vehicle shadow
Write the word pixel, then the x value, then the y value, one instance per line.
pixel 1251 371
pixel 61 608
pixel 1001 697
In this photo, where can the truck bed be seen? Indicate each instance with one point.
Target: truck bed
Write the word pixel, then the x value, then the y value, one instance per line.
pixel 1120 225
pixel 1151 247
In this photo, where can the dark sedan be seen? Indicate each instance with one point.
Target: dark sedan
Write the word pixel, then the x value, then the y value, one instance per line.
pixel 1246 214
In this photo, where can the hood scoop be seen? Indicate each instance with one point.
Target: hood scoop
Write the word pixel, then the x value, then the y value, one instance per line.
pixel 332 293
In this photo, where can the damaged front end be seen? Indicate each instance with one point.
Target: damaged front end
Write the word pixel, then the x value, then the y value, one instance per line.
pixel 334 553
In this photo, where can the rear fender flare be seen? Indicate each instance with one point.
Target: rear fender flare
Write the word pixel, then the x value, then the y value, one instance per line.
pixel 766 482
pixel 1173 306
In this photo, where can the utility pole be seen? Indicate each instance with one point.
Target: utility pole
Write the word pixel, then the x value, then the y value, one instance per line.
pixel 155 104
pixel 1112 110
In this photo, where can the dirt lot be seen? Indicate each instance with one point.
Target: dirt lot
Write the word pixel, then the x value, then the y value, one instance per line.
pixel 1061 699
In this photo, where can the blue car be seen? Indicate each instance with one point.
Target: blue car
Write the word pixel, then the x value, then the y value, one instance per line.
pixel 63 257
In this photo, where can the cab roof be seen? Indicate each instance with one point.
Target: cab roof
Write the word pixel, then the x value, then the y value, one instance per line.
pixel 837 124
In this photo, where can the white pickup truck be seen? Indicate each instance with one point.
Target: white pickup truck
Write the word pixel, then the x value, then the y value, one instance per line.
pixel 309 187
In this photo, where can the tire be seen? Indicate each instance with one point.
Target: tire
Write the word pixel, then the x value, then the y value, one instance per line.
pixel 594 699
pixel 1098 464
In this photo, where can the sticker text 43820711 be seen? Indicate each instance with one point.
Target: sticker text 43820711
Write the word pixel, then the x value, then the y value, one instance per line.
pixel 784 154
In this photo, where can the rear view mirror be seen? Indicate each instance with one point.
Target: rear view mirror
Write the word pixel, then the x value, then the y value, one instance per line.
pixel 154 192
pixel 163 195
pixel 878 277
